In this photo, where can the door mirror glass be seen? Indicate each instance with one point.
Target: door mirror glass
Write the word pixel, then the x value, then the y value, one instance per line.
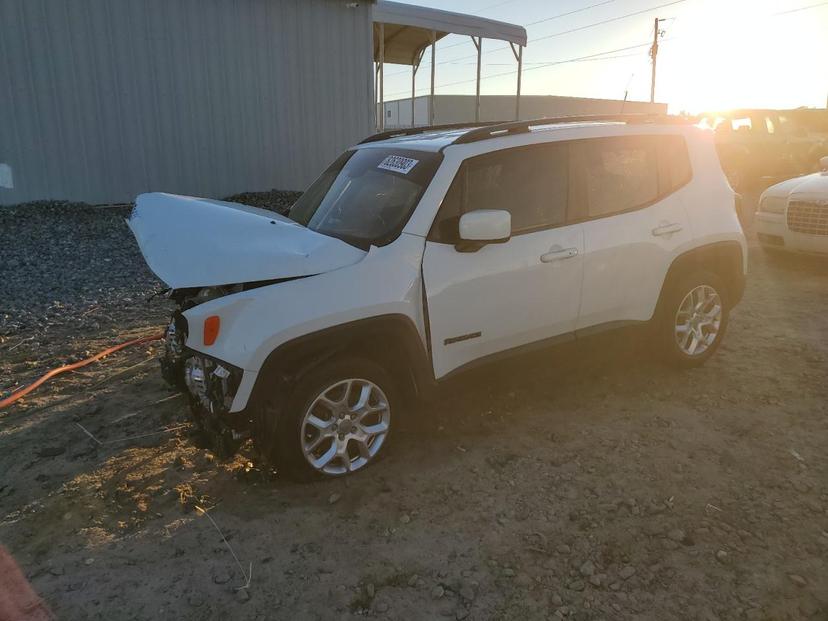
pixel 486 225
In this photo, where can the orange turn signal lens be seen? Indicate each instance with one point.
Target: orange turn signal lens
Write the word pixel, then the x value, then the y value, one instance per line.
pixel 212 325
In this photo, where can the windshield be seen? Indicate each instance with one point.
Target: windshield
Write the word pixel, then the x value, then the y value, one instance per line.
pixel 367 195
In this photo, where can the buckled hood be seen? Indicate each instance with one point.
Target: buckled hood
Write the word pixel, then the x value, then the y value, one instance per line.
pixel 198 242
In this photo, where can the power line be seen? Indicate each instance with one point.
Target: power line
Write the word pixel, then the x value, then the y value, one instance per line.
pixel 586 8
pixel 558 34
pixel 802 8
pixel 607 21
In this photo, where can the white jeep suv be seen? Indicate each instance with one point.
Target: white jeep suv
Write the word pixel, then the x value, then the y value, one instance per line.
pixel 419 254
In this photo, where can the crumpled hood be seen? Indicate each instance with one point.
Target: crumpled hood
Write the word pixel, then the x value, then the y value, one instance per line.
pixel 198 242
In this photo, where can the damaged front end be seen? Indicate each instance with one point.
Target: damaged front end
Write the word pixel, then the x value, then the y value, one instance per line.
pixel 210 384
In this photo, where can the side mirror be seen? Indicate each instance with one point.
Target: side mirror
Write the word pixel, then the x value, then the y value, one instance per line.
pixel 483 226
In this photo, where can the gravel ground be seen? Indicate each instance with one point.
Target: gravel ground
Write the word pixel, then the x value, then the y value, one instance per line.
pixel 588 483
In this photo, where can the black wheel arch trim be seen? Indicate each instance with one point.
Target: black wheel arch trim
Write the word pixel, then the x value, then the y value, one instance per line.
pixel 724 258
pixel 391 339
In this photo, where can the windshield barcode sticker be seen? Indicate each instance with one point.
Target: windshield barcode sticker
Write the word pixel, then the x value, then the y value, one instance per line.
pixel 398 163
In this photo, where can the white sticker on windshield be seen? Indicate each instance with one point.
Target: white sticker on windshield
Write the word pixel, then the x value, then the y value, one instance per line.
pixel 398 163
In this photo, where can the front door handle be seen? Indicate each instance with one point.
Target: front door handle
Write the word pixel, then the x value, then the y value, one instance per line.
pixel 559 255
pixel 667 229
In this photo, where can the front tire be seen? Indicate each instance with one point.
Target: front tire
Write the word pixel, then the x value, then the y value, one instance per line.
pixel 336 421
pixel 694 316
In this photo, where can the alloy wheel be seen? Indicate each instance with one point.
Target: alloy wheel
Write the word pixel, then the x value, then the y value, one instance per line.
pixel 698 320
pixel 345 426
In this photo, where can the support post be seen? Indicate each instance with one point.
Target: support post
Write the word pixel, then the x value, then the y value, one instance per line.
pixel 376 97
pixel 414 68
pixel 519 57
pixel 382 76
pixel 433 64
pixel 413 90
pixel 478 43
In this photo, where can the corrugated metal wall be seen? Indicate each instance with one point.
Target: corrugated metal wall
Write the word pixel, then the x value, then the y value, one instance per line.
pixel 101 100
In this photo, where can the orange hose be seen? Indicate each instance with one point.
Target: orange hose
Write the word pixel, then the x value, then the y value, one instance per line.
pixel 21 392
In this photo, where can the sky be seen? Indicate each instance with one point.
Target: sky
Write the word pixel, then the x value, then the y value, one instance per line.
pixel 713 54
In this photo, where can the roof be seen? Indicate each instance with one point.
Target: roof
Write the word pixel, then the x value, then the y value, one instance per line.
pixel 408 29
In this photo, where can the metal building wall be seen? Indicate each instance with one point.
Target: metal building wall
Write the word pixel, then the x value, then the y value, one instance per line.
pixel 104 99
pixel 460 108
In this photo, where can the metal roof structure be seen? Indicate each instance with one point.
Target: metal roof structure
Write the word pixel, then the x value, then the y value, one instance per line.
pixel 403 32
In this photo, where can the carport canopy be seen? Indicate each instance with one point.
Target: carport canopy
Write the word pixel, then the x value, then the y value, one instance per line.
pixel 402 33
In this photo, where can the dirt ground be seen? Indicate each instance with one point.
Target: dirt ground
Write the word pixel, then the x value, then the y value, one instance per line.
pixel 587 483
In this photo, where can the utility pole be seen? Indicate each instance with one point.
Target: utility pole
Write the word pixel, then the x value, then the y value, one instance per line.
pixel 654 56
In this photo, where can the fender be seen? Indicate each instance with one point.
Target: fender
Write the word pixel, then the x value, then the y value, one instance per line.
pixel 724 258
pixel 392 340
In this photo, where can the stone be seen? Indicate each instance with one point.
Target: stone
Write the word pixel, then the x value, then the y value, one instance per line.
pixel 626 572
pixel 564 549
pixel 677 535
pixel 798 580
pixel 461 614
pixel 51 451
pixel 242 595
pixel 221 576
pixel 333 498
pixel 597 580
pixel 412 581
pixel 467 592
pixel 438 591
pixel 381 606
pixel 405 518
pixel 509 572
pixel 721 556
pixel 587 569
pixel 370 590
pixel 576 585
pixel 556 600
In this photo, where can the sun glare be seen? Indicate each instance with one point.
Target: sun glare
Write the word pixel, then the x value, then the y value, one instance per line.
pixel 744 54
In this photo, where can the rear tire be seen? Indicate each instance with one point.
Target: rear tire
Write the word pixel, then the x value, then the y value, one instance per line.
pixel 337 420
pixel 693 318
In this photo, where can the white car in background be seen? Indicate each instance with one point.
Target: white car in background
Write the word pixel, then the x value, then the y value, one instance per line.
pixel 793 215
pixel 422 253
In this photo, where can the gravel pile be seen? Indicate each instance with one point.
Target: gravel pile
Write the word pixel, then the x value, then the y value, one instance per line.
pixel 77 265
pixel 66 262
pixel 274 200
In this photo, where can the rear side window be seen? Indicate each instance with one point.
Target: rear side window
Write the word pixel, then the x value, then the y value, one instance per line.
pixel 620 173
pixel 625 173
pixel 531 183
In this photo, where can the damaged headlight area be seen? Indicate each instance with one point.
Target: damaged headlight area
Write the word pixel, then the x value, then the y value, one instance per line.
pixel 212 384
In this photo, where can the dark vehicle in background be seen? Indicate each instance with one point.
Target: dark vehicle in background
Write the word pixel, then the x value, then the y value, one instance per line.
pixel 768 145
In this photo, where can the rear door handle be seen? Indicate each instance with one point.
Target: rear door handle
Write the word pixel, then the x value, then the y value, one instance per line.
pixel 559 255
pixel 667 229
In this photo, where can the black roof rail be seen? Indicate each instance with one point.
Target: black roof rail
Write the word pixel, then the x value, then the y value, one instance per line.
pixel 520 127
pixel 412 131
